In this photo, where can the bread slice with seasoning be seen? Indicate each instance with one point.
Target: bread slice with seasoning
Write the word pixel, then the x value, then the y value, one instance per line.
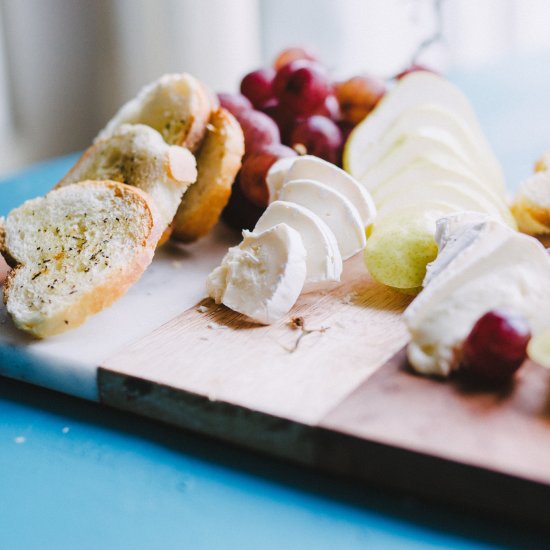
pixel 75 252
pixel 178 106
pixel 137 155
pixel 218 162
pixel 531 205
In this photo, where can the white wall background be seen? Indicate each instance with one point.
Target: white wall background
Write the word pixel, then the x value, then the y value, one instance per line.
pixel 66 65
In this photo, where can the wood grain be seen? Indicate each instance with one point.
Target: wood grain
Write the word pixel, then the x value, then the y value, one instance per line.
pixel 355 327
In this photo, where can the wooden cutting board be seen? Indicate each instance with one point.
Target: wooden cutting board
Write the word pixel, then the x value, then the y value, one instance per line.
pixel 330 387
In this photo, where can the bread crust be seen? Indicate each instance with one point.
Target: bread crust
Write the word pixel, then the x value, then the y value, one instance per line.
pixel 218 162
pixel 116 283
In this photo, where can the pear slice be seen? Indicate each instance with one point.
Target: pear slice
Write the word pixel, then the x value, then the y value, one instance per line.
pixel 425 119
pixel 414 89
pixel 454 192
pixel 411 148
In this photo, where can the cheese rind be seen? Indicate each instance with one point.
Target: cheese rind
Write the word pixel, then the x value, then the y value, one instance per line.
pixel 324 262
pixel 333 208
pixel 263 276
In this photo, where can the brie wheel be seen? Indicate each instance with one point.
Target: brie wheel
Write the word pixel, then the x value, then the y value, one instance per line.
pixel 483 265
pixel 333 208
pixel 324 262
pixel 314 168
pixel 263 276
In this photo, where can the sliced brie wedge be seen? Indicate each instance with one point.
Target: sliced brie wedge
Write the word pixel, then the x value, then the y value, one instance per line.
pixel 263 276
pixel 487 265
pixel 324 262
pixel 333 208
pixel 275 177
pixel 314 168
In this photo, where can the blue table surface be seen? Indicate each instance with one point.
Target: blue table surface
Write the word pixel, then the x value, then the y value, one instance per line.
pixel 74 474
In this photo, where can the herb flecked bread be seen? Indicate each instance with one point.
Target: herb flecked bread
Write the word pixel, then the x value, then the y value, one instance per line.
pixel 74 252
pixel 178 106
pixel 137 155
pixel 218 162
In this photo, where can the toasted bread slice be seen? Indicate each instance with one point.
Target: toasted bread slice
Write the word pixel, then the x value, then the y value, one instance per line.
pixel 218 162
pixel 176 105
pixel 76 251
pixel 531 205
pixel 137 155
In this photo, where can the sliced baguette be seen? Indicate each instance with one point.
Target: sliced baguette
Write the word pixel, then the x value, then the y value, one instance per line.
pixel 531 205
pixel 75 252
pixel 218 162
pixel 176 105
pixel 137 155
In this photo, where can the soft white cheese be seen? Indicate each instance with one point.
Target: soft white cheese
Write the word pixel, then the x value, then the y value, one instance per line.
pixel 333 208
pixel 324 262
pixel 263 276
pixel 317 169
pixel 275 177
pixel 483 265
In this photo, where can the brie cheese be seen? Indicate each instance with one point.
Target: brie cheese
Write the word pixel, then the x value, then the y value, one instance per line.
pixel 324 262
pixel 263 276
pixel 276 176
pixel 333 208
pixel 483 265
pixel 314 168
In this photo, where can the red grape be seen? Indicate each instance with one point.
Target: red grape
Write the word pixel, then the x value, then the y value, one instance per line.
pixel 236 104
pixel 358 96
pixel 319 136
pixel 496 346
pixel 302 86
pixel 254 171
pixel 284 119
pixel 259 131
pixel 257 86
pixel 292 54
pixel 240 213
pixel 330 108
pixel 415 67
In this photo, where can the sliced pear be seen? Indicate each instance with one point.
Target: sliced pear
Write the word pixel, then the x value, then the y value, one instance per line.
pixel 462 196
pixel 427 117
pixel 411 148
pixel 402 244
pixel 314 168
pixel 324 262
pixel 333 208
pixel 420 87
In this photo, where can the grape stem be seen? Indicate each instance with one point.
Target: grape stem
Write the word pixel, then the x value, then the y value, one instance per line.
pixel 298 323
pixel 437 35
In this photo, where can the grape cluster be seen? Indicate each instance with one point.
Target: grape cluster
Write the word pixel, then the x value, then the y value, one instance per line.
pixel 292 108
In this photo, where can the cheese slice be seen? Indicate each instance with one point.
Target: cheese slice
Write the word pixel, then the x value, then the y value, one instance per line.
pixel 333 208
pixel 314 168
pixel 417 88
pixel 491 266
pixel 263 276
pixel 324 262
pixel 275 177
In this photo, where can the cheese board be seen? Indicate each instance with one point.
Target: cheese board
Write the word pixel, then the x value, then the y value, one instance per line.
pixel 328 385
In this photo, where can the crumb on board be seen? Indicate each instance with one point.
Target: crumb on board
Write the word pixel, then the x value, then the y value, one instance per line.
pixel 176 264
pixel 202 309
pixel 215 326
pixel 20 439
pixel 65 429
